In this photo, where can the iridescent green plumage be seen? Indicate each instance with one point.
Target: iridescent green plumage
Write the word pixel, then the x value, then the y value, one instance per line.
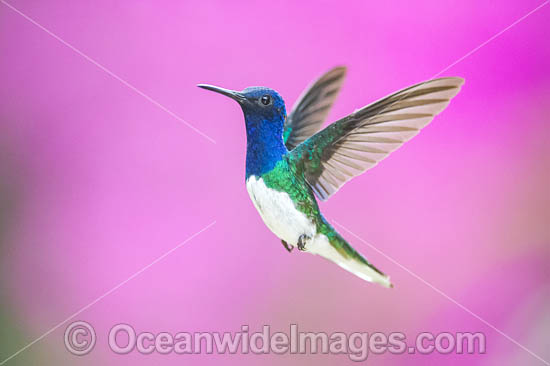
pixel 289 178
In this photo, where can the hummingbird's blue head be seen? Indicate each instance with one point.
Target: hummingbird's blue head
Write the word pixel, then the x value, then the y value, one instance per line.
pixel 264 114
pixel 263 104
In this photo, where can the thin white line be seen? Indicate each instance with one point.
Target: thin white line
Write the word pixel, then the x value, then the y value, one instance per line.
pixel 109 292
pixel 463 57
pixel 445 295
pixel 490 39
pixel 153 101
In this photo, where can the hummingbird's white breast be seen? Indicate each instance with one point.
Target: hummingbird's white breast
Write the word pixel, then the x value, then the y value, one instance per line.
pixel 278 212
pixel 287 223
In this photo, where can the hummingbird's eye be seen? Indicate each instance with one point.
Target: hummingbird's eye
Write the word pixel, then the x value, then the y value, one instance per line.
pixel 265 100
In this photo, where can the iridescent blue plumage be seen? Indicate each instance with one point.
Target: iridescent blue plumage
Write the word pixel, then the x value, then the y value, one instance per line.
pixel 264 129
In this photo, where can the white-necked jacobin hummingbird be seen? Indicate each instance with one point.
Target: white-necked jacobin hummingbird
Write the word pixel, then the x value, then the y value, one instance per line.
pixel 288 162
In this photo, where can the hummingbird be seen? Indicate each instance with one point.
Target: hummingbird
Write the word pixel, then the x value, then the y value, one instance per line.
pixel 289 163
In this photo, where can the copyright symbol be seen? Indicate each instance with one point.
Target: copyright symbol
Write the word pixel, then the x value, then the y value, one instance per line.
pixel 79 338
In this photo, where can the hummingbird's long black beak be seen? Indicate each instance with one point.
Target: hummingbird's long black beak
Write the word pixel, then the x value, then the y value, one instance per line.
pixel 235 95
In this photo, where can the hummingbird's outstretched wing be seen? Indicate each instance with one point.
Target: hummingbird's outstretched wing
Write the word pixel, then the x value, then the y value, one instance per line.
pixel 311 108
pixel 359 141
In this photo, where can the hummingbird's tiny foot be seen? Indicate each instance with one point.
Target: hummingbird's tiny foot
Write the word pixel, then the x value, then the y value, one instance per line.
pixel 287 247
pixel 302 241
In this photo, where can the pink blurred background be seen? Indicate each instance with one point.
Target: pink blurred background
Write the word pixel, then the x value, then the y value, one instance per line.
pixel 96 182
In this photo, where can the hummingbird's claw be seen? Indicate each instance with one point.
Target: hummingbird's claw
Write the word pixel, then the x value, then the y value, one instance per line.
pixel 302 240
pixel 287 247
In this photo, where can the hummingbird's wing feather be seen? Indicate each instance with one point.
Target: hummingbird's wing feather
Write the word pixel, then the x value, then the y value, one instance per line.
pixel 311 108
pixel 356 143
